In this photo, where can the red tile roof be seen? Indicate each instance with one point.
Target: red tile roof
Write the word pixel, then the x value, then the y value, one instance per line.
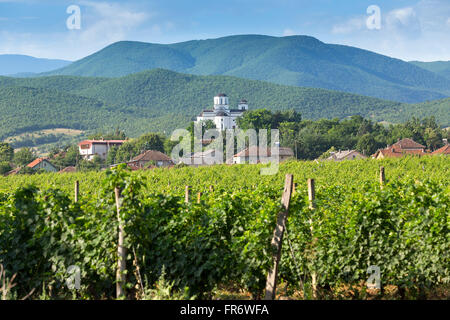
pixel 444 150
pixel 408 144
pixel 255 151
pixel 35 162
pixel 101 142
pixel 152 155
pixel 396 152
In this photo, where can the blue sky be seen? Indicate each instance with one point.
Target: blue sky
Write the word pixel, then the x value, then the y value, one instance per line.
pixel 409 30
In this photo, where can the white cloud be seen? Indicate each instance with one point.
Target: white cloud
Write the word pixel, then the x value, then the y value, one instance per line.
pixel 109 22
pixel 102 23
pixel 417 32
pixel 349 26
pixel 288 32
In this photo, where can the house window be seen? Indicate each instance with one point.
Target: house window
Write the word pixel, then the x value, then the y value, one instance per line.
pixel 84 146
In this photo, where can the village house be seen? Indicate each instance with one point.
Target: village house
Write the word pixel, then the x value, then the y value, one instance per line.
pixel 345 155
pixel 90 148
pixel 42 163
pixel 68 169
pixel 207 157
pixel 150 158
pixel 400 148
pixel 256 154
pixel 221 114
pixel 444 150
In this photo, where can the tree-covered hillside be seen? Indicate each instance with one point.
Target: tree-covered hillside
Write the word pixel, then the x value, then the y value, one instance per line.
pixel 25 109
pixel 161 100
pixel 440 67
pixel 296 60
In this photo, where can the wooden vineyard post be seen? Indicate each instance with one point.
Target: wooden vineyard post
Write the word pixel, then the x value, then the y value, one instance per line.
pixel 277 240
pixel 311 194
pixel 121 251
pixel 382 177
pixel 312 206
pixel 186 193
pixel 77 190
pixel 199 197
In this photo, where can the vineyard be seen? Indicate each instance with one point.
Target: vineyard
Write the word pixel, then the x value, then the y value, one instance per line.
pixel 221 236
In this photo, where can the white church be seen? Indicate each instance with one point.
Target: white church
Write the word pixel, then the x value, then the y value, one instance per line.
pixel 222 115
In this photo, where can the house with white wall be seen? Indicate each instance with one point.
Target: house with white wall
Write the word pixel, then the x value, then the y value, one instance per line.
pixel 90 148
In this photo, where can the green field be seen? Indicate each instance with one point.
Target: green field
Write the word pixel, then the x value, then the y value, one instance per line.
pixel 222 244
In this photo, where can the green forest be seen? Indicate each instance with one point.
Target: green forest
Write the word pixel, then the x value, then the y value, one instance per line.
pixel 161 100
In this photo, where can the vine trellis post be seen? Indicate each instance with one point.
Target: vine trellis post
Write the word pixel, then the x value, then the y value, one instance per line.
pixel 382 177
pixel 187 190
pixel 121 251
pixel 312 206
pixel 77 190
pixel 277 240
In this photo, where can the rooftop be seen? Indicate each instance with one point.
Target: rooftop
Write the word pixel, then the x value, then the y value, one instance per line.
pixel 265 152
pixel 102 142
pixel 36 162
pixel 444 150
pixel 152 155
pixel 408 143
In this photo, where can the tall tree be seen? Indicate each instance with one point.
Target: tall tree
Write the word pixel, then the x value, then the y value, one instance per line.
pixel 6 152
pixel 24 156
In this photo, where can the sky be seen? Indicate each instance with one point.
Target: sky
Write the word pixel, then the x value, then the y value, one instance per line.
pixel 406 29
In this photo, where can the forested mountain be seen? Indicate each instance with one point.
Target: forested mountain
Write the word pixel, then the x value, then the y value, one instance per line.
pixel 12 64
pixel 440 67
pixel 295 60
pixel 161 100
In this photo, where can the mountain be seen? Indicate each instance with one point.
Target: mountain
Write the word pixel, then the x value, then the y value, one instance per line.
pixel 294 60
pixel 442 68
pixel 20 65
pixel 161 100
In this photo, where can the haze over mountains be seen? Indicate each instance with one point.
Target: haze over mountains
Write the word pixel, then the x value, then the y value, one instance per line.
pixel 295 60
pixel 22 65
pixel 440 67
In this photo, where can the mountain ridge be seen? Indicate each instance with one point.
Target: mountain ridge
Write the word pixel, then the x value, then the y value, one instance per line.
pixel 24 65
pixel 295 60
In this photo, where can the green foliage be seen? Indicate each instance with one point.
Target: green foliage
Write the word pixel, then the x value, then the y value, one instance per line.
pixel 134 147
pixel 24 156
pixel 69 156
pixel 5 167
pixel 6 152
pixel 116 135
pixel 90 165
pixel 188 249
